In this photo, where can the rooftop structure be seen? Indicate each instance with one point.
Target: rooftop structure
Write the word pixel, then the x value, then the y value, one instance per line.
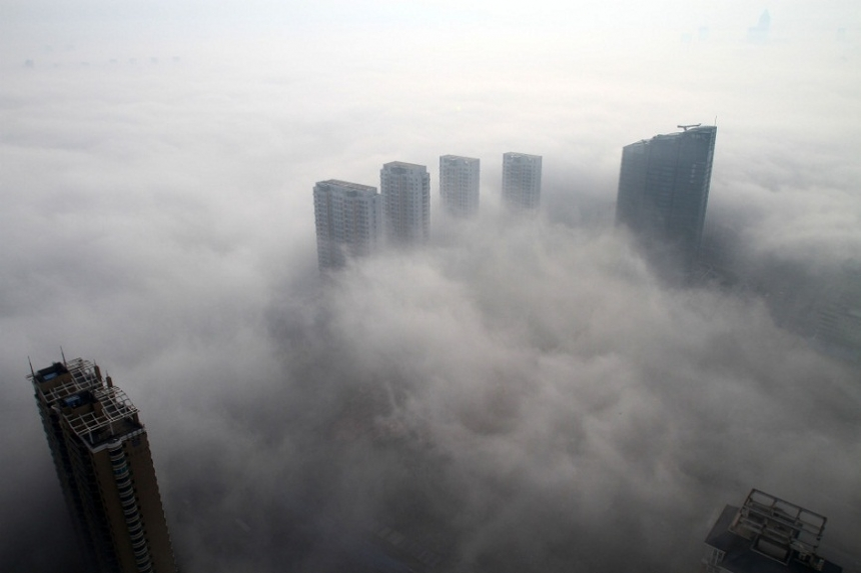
pixel 102 457
pixel 767 535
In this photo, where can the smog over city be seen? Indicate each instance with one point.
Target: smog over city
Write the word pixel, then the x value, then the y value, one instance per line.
pixel 524 392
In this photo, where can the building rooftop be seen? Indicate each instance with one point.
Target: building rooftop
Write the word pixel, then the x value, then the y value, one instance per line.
pixel 347 185
pixel 100 416
pixel 516 154
pixel 403 164
pixel 458 158
pixel 768 535
pixel 54 385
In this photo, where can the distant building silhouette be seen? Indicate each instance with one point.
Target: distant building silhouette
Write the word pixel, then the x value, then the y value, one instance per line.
pixel 348 218
pixel 766 535
pixel 759 34
pixel 521 180
pixel 406 203
pixel 459 185
pixel 663 193
pixel 838 330
pixel 102 457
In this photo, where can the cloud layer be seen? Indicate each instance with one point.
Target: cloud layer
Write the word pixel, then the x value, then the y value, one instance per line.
pixel 521 395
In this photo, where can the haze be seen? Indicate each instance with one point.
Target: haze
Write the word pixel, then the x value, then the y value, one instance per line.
pixel 523 394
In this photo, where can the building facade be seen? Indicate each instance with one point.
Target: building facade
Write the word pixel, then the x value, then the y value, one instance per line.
pixel 664 189
pixel 459 185
pixel 348 217
pixel 102 457
pixel 406 203
pixel 521 180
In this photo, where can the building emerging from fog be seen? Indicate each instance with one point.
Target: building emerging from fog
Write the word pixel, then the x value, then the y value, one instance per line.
pixel 406 202
pixel 458 185
pixel 766 535
pixel 349 222
pixel 664 190
pixel 521 180
pixel 838 330
pixel 102 457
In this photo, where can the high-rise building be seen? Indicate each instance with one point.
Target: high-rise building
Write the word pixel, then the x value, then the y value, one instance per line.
pixel 102 457
pixel 406 201
pixel 458 185
pixel 766 535
pixel 348 217
pixel 521 180
pixel 664 190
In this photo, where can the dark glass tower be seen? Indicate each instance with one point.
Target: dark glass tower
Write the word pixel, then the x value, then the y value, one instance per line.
pixel 103 461
pixel 664 191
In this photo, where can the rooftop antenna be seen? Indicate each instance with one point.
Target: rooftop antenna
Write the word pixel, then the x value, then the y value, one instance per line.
pixel 715 121
pixel 32 372
pixel 63 354
pixel 687 127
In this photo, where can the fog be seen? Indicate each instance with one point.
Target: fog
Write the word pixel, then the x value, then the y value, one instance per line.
pixel 523 394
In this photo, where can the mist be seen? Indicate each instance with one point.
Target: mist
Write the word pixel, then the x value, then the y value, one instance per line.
pixel 523 394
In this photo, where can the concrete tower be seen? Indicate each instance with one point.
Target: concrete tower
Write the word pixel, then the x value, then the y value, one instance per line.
pixel 406 202
pixel 458 185
pixel 349 222
pixel 521 180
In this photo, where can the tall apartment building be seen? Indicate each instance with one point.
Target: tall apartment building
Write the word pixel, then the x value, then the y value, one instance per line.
pixel 102 457
pixel 767 535
pixel 663 192
pixel 458 185
pixel 406 202
pixel 348 218
pixel 521 180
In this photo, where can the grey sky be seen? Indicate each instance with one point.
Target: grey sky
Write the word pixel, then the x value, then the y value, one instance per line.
pixel 565 410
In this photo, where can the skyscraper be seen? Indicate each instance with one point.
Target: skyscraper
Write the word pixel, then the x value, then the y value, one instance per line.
pixel 348 217
pixel 102 457
pixel 458 185
pixel 664 191
pixel 521 180
pixel 406 201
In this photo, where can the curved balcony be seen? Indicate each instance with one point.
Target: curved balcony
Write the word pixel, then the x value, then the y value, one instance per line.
pixel 130 512
pixel 133 522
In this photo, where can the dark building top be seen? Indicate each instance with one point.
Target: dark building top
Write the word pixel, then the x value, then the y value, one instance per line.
pixel 767 535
